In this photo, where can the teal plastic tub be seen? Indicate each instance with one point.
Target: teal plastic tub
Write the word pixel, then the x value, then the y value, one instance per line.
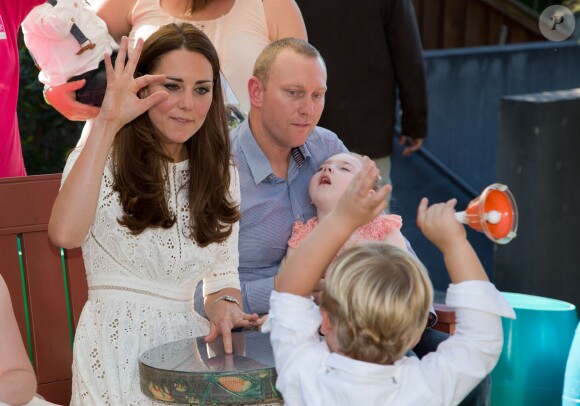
pixel 531 368
pixel 571 396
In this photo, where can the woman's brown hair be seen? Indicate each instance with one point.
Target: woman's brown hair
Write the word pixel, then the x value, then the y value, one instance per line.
pixel 141 167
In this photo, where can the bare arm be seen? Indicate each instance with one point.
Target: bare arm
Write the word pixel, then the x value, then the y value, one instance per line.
pixel 302 270
pixel 116 14
pixel 439 225
pixel 284 19
pixel 17 378
pixel 76 203
pixel 394 238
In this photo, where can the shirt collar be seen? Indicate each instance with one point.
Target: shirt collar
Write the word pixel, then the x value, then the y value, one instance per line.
pixel 366 370
pixel 257 160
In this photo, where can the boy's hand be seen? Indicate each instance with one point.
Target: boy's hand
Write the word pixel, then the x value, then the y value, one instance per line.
pixel 359 203
pixel 439 225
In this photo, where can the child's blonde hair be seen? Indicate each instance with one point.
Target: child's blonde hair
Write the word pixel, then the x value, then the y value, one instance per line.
pixel 377 297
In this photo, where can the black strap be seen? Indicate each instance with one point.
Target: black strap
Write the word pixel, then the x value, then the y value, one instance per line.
pixel 78 34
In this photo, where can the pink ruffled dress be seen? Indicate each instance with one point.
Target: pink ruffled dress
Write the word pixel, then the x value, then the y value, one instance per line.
pixel 376 230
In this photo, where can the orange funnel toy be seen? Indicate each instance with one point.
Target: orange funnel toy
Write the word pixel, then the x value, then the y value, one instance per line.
pixel 494 213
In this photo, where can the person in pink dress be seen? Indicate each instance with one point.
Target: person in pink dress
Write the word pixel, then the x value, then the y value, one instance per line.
pixel 326 188
pixel 12 13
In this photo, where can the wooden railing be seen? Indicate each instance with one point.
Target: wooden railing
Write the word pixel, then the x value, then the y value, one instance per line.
pixel 468 23
pixel 47 285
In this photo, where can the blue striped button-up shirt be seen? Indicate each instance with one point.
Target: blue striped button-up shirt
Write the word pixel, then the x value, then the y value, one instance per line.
pixel 270 205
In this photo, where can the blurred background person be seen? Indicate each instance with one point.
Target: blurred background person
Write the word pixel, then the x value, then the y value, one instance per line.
pixel 12 13
pixel 373 58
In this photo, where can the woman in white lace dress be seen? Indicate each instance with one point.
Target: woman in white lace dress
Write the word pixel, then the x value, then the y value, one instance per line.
pixel 152 198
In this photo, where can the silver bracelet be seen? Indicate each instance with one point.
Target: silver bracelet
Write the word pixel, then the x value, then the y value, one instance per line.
pixel 227 298
pixel 44 90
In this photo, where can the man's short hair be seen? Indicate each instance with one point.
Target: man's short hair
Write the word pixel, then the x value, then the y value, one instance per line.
pixel 377 297
pixel 268 55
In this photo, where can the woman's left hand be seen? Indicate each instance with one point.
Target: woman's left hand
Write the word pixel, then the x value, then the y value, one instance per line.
pixel 225 316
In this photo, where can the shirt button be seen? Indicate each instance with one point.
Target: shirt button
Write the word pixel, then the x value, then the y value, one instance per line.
pixel 297 217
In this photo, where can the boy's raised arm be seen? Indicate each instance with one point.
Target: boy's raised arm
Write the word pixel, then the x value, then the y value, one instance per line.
pixel 303 268
pixel 439 225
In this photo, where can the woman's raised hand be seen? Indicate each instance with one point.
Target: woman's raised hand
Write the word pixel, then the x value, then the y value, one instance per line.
pixel 122 103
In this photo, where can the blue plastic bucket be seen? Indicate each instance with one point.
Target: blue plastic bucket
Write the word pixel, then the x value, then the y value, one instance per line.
pixel 530 370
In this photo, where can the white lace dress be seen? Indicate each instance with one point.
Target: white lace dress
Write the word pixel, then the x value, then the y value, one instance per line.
pixel 140 292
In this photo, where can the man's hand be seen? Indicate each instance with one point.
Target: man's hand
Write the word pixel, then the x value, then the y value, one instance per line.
pixel 412 144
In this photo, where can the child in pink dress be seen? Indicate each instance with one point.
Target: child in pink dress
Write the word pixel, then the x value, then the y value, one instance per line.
pixel 326 188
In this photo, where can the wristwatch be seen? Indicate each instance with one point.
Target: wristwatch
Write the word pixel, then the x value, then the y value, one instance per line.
pixel 46 89
pixel 227 298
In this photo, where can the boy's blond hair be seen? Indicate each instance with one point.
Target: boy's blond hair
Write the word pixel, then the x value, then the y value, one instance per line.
pixel 377 297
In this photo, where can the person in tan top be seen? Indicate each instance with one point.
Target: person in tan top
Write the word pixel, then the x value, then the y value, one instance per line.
pixel 238 29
